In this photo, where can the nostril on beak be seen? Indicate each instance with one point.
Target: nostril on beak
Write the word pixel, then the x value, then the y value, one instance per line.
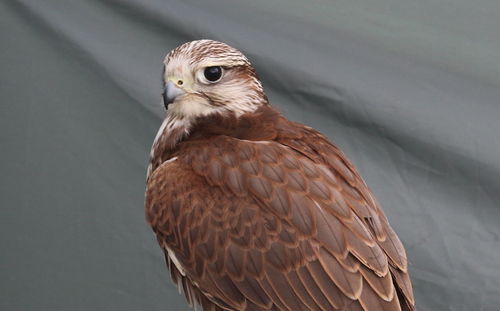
pixel 170 93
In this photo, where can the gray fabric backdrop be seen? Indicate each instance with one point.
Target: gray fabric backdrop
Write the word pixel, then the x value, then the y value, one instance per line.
pixel 409 89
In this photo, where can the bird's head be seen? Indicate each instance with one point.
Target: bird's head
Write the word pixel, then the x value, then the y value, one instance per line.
pixel 204 77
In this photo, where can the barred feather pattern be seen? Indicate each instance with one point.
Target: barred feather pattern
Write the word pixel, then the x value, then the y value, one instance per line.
pixel 266 214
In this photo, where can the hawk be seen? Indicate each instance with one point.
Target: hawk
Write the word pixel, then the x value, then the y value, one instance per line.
pixel 256 212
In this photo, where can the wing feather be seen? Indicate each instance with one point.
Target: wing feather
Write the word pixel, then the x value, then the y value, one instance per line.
pixel 300 290
pixel 281 286
pixel 263 227
pixel 335 296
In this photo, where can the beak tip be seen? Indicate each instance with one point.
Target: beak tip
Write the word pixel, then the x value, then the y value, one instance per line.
pixel 166 100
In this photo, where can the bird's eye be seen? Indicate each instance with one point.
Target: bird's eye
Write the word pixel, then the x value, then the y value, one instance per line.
pixel 213 73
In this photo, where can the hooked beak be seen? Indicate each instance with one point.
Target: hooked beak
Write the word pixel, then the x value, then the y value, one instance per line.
pixel 170 93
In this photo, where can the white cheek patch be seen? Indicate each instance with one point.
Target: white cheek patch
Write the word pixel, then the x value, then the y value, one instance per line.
pixel 239 97
pixel 191 106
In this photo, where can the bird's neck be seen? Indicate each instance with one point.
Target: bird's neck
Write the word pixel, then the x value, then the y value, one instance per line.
pixel 175 131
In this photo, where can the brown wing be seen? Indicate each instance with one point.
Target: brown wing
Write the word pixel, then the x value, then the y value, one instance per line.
pixel 258 226
pixel 318 148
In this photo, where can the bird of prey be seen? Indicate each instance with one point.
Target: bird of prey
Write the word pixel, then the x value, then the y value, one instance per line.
pixel 256 212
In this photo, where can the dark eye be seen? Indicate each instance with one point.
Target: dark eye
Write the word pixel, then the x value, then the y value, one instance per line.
pixel 213 73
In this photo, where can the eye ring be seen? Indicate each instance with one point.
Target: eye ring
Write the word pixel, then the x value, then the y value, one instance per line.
pixel 212 73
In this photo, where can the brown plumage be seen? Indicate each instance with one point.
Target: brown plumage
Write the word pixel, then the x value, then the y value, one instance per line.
pixel 255 212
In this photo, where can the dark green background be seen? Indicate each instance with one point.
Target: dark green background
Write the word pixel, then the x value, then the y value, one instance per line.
pixel 410 90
